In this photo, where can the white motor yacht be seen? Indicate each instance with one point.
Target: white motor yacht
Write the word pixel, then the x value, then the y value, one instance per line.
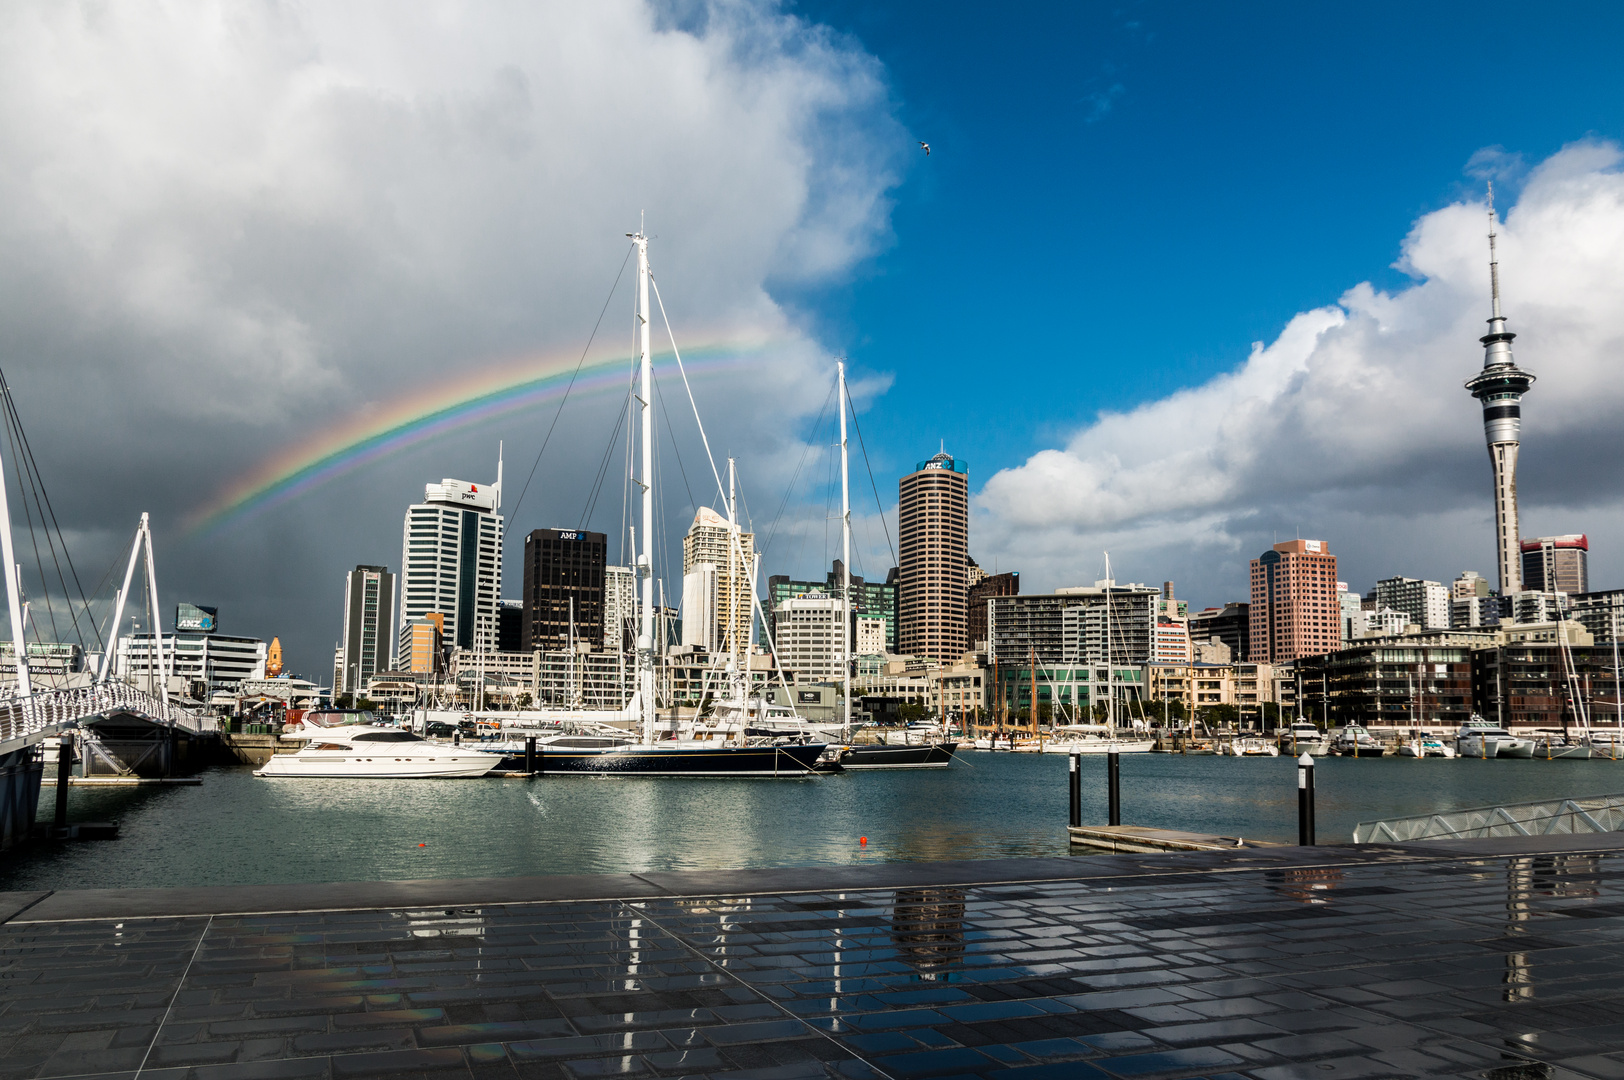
pixel 366 751
pixel 1304 737
pixel 1478 738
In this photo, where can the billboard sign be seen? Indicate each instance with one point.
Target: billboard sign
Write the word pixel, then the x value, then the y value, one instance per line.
pixel 193 619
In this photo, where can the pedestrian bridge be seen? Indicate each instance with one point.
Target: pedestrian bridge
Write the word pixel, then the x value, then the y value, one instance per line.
pixel 123 727
pixel 1588 814
pixel 25 721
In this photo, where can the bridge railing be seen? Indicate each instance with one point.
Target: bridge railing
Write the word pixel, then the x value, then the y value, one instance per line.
pixel 21 717
pixel 1589 814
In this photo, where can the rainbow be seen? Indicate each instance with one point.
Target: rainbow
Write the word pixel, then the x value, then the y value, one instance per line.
pixel 429 414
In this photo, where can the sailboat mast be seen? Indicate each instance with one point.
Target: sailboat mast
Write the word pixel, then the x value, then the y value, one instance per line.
pixel 846 629
pixel 645 480
pixel 734 549
pixel 1110 669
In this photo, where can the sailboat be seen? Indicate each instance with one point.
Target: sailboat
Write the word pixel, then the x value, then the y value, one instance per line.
pixel 607 751
pixel 928 753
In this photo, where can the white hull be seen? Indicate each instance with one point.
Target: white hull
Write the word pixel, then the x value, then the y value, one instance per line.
pixel 366 752
pixel 1480 746
pixel 1103 746
pixel 457 765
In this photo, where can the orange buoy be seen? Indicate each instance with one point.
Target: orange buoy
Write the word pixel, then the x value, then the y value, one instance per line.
pixel 863 840
pixel 422 845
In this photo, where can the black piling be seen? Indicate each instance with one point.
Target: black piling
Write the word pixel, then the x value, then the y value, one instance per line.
pixel 530 754
pixel 1075 782
pixel 1113 773
pixel 64 770
pixel 1305 800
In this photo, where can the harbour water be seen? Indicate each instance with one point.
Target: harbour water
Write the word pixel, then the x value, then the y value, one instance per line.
pixel 236 829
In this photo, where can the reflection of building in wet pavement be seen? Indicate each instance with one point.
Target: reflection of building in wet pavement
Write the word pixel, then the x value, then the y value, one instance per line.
pixel 1543 876
pixel 1306 885
pixel 927 927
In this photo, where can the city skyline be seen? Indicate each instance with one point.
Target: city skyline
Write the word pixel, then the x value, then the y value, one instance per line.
pixel 388 317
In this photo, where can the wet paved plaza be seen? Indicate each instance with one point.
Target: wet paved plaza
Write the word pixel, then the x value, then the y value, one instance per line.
pixel 1330 962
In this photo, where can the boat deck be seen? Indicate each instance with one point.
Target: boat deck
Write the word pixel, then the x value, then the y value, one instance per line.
pixel 1490 958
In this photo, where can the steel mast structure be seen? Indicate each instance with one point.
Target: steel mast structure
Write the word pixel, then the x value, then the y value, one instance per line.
pixel 645 481
pixel 1500 387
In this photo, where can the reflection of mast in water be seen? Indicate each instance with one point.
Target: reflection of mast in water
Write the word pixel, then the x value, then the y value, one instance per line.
pixel 927 927
pixel 1556 876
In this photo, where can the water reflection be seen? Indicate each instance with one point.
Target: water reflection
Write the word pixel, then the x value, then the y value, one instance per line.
pixel 927 928
pixel 1306 885
pixel 1548 876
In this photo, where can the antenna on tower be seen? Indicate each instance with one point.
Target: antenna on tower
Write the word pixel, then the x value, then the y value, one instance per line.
pixel 1494 261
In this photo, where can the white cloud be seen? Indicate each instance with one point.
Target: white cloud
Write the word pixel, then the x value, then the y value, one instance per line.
pixel 1357 411
pixel 225 227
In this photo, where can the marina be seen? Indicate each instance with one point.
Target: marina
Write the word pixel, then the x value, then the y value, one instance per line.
pixel 234 828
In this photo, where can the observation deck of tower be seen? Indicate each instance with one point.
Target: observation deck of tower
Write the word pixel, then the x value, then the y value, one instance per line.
pixel 1500 387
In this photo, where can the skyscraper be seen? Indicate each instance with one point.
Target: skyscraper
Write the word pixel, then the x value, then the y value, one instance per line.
pixel 368 643
pixel 712 541
pixel 563 588
pixel 451 559
pixel 1500 387
pixel 989 586
pixel 869 599
pixel 619 608
pixel 1295 609
pixel 1556 564
pixel 933 526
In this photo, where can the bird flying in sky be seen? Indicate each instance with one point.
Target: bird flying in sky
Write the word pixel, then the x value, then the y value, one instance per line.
pixel 925 146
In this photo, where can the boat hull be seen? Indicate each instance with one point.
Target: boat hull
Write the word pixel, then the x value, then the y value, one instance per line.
pixel 459 766
pixel 1104 746
pixel 1551 753
pixel 929 756
pixel 763 762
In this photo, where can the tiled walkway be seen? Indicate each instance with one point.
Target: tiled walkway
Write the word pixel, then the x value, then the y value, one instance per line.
pixel 1505 968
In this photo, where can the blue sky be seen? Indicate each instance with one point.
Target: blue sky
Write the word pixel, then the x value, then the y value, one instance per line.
pixel 1121 198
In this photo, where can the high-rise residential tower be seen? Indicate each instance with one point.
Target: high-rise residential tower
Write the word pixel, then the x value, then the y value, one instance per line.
pixel 1556 564
pixel 1500 387
pixel 563 599
pixel 721 597
pixel 368 644
pixel 451 559
pixel 933 527
pixel 1295 609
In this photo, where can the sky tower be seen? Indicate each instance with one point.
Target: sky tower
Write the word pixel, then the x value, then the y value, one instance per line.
pixel 1500 387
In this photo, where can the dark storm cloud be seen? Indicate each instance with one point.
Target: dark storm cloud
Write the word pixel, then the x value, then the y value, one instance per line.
pixel 226 229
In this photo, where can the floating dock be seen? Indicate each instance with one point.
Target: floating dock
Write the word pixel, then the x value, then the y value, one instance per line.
pixel 1141 840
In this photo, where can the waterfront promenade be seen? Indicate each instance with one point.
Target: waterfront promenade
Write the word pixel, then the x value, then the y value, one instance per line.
pixel 1494 958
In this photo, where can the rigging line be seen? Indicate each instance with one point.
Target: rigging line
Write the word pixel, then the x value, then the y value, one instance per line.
pixel 603 466
pixel 806 451
pixel 514 516
pixel 671 433
pixel 883 523
pixel 721 491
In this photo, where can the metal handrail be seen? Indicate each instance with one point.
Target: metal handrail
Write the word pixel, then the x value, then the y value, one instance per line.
pixel 21 717
pixel 1585 814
